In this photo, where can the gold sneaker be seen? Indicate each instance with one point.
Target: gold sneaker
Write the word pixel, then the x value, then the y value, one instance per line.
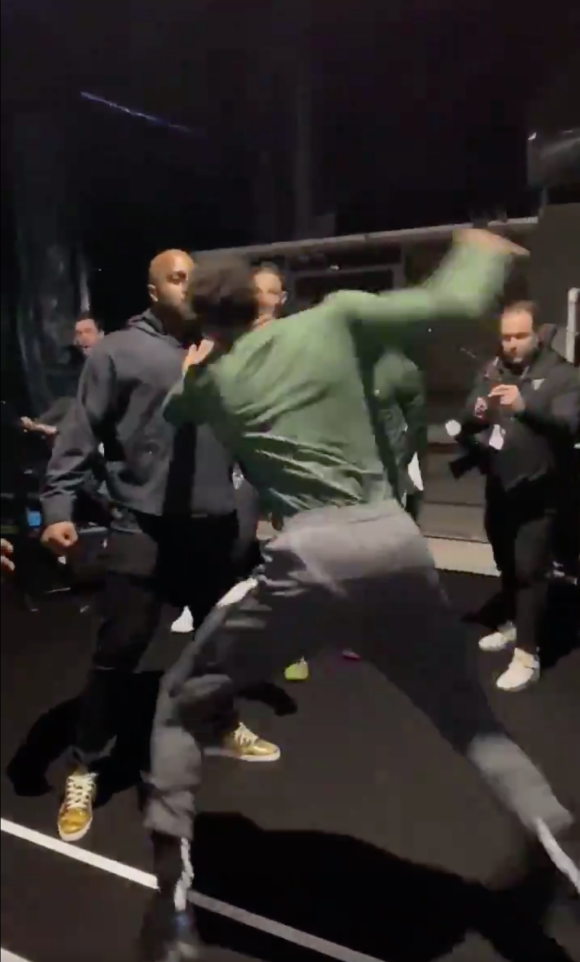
pixel 244 745
pixel 297 672
pixel 75 815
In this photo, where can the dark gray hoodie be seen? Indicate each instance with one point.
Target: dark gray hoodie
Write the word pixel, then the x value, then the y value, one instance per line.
pixel 150 466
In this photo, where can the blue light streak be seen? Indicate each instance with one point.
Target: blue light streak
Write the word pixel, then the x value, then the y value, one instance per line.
pixel 139 115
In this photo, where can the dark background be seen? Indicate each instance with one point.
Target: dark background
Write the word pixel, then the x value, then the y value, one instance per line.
pixel 413 113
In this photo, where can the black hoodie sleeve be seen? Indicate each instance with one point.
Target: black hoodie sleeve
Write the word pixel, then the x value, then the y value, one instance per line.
pixel 57 412
pixel 79 437
pixel 412 401
pixel 559 415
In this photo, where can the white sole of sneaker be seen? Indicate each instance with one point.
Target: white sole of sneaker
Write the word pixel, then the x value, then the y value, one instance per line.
pixel 514 689
pixel 495 642
pixel 557 855
pixel 216 752
pixel 76 836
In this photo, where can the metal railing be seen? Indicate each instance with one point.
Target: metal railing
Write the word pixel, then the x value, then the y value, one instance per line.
pixel 519 227
pixel 572 324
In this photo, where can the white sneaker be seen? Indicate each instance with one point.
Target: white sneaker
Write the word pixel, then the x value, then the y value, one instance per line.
pixel 523 670
pixel 498 640
pixel 184 624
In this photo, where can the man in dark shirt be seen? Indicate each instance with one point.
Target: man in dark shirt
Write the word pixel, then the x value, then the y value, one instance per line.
pixel 399 390
pixel 174 524
pixel 87 334
pixel 525 410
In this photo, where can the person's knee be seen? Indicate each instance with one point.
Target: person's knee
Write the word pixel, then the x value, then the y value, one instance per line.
pixel 532 565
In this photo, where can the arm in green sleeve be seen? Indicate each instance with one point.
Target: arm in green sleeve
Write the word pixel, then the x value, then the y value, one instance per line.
pixel 464 286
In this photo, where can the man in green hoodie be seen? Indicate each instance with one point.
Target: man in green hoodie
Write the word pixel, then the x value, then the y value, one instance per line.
pixel 348 568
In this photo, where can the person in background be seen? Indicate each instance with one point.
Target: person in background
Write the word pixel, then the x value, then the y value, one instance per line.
pixel 524 412
pixel 271 291
pixel 92 495
pixel 272 295
pixel 399 389
pixel 86 335
pixel 173 528
pixel 567 533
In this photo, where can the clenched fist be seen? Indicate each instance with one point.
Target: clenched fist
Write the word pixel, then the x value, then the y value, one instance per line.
pixel 6 558
pixel 60 537
pixel 485 238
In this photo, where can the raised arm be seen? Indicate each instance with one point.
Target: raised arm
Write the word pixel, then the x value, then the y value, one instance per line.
pixel 465 286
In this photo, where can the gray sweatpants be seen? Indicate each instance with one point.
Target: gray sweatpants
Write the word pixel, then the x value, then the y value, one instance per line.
pixel 360 578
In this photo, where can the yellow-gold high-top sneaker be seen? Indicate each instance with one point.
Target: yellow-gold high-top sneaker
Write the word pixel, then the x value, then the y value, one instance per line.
pixel 75 815
pixel 244 745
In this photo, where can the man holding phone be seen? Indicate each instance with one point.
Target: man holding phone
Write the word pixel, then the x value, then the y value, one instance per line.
pixel 525 407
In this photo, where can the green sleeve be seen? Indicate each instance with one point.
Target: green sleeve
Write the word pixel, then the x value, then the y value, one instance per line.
pixel 465 286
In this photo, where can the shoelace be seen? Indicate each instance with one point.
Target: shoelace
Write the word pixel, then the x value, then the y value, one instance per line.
pixel 244 737
pixel 79 791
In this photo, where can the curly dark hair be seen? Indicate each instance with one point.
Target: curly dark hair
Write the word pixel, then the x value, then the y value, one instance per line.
pixel 223 291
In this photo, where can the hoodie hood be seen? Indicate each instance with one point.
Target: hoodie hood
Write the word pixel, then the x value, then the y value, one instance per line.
pixel 149 323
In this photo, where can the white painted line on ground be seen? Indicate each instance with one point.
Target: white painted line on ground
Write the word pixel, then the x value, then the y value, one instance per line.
pixel 269 926
pixel 6 956
pixel 79 854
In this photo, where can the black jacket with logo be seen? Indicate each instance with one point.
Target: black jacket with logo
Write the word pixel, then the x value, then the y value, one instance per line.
pixel 150 466
pixel 538 443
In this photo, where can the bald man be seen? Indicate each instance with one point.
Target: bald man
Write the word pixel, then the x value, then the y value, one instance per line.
pixel 174 521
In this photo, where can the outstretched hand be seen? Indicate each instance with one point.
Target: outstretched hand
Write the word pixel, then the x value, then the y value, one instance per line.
pixel 48 430
pixel 198 353
pixel 508 396
pixel 485 238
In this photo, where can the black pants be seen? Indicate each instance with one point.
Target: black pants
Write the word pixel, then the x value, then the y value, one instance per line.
pixel 359 578
pixel 413 504
pixel 520 529
pixel 151 562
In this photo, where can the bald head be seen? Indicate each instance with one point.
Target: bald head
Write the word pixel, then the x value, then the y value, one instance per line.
pixel 169 281
pixel 167 263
